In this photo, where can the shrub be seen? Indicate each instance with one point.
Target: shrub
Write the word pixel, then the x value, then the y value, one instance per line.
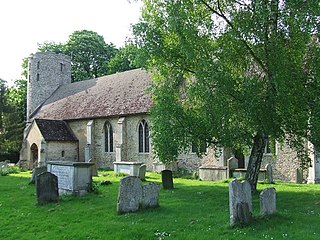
pixel 4 171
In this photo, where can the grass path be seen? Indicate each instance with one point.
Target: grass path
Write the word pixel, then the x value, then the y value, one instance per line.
pixel 193 210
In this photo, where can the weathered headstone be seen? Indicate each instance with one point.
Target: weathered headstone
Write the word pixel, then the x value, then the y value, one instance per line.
pixel 36 171
pixel 130 195
pixel 232 163
pixel 240 202
pixel 167 181
pixel 269 174
pixel 142 171
pixel 47 188
pixel 150 195
pixel 299 176
pixel 268 201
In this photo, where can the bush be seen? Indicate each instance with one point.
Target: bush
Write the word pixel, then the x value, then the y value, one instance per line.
pixel 4 171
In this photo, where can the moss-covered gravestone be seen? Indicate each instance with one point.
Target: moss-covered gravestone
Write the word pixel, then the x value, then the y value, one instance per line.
pixel 167 180
pixel 47 188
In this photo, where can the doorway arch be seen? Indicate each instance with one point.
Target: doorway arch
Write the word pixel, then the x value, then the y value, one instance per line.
pixel 34 155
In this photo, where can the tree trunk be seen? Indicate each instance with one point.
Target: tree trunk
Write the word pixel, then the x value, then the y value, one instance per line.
pixel 255 159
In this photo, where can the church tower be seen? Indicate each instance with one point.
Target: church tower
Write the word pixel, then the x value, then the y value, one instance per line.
pixel 47 72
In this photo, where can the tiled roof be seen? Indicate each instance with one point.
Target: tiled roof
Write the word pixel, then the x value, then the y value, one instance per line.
pixel 55 130
pixel 113 95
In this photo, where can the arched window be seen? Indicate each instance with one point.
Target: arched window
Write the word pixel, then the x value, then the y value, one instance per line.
pixel 144 143
pixel 108 137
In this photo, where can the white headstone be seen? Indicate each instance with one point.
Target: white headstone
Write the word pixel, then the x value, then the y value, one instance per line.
pixel 268 201
pixel 269 173
pixel 240 202
pixel 142 171
pixel 232 163
pixel 150 195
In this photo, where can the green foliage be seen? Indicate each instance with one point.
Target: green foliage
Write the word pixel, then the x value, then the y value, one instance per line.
pixel 4 171
pixel 231 72
pixel 92 57
pixel 95 187
pixel 193 210
pixel 89 52
pixel 12 120
pixel 126 58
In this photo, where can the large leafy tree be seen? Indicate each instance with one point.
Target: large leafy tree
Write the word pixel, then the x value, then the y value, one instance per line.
pixel 126 58
pixel 12 115
pixel 90 54
pixel 233 73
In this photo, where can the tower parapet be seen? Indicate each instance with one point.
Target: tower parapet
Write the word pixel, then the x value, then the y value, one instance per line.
pixel 47 72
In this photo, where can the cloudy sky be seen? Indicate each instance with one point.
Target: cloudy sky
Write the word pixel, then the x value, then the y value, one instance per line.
pixel 25 23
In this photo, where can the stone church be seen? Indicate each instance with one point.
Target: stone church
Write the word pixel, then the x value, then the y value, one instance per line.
pixel 106 120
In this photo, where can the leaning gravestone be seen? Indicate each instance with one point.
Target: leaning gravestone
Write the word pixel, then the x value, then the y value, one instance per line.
pixel 47 188
pixel 167 181
pixel 36 171
pixel 130 195
pixel 240 202
pixel 150 195
pixel 268 201
pixel 142 171
pixel 269 173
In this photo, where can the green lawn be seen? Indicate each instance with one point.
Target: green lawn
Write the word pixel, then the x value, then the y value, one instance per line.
pixel 193 210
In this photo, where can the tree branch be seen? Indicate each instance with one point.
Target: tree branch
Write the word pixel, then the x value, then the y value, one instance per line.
pixel 246 44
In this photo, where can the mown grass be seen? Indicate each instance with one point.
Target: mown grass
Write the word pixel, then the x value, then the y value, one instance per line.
pixel 193 210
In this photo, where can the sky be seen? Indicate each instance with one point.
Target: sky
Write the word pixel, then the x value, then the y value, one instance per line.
pixel 26 23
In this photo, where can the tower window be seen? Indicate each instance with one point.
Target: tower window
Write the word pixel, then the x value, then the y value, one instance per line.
pixel 38 65
pixel 38 76
pixel 62 153
pixel 61 67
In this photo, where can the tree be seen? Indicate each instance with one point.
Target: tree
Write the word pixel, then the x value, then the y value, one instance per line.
pixel 12 114
pixel 233 73
pixel 125 59
pixel 89 52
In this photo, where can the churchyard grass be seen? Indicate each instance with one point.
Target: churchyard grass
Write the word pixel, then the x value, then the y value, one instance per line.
pixel 193 210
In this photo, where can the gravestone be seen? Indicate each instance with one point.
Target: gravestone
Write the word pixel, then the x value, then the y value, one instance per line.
pixel 232 163
pixel 36 171
pixel 150 195
pixel 268 201
pixel 130 195
pixel 142 172
pixel 269 173
pixel 47 188
pixel 167 181
pixel 240 202
pixel 299 176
